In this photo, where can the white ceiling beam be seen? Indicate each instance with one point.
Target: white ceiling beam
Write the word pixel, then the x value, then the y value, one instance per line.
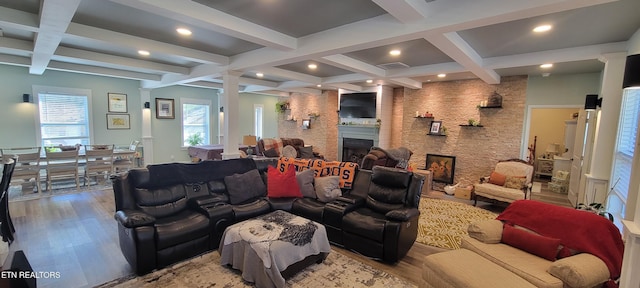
pixel 11 46
pixel 348 63
pixel 101 71
pixel 451 67
pixel 282 73
pixel 203 84
pixel 554 56
pixel 259 82
pixel 110 61
pixel 15 60
pixel 405 11
pixel 406 82
pixel 134 43
pixel 459 50
pixel 346 86
pixel 305 90
pixel 206 17
pixel 55 16
pixel 204 71
pixel 17 19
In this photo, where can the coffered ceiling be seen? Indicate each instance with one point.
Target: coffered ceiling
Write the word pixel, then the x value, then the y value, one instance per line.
pixel 349 41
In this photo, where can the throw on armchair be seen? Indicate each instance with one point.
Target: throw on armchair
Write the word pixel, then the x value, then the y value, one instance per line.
pixel 385 226
pixel 395 157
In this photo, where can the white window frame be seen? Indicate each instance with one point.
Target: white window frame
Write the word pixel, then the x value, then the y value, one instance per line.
pixel 617 200
pixel 194 102
pixel 37 90
pixel 258 120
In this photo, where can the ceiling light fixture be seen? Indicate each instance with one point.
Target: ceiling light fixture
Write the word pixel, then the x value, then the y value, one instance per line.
pixel 369 81
pixel 312 66
pixel 184 31
pixel 442 75
pixel 144 52
pixel 395 52
pixel 542 28
pixel 319 85
pixel 546 66
pixel 260 75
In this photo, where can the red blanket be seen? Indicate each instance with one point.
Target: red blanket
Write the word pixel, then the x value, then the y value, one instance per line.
pixel 578 230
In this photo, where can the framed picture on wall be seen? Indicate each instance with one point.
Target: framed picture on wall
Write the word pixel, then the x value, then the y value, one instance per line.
pixel 117 102
pixel 165 108
pixel 118 121
pixel 442 167
pixel 436 127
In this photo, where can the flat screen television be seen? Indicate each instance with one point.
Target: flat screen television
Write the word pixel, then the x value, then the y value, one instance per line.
pixel 358 105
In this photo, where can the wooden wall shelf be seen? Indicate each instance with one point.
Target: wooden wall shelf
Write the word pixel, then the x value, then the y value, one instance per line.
pixel 420 117
pixel 436 134
pixel 490 107
pixel 466 125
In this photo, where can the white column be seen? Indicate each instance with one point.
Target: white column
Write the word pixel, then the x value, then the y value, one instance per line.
pixel 231 114
pixel 384 107
pixel 608 116
pixel 147 136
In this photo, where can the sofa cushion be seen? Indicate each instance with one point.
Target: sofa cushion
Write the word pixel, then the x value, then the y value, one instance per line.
pixel 488 231
pixel 328 188
pixel 305 182
pixel 244 187
pixel 539 245
pixel 180 228
pixel 306 152
pixel 272 152
pixel 582 270
pixel 524 264
pixel 497 178
pixel 282 185
pixel 498 192
pixel 515 182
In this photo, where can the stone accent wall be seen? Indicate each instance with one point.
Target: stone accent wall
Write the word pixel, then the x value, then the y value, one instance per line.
pixel 323 134
pixel 477 150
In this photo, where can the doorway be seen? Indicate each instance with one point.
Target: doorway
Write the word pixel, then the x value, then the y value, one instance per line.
pixel 550 133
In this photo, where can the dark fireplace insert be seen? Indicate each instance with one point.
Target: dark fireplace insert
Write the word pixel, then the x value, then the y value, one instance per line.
pixel 353 150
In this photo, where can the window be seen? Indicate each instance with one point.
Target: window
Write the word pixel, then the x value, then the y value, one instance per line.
pixel 195 122
pixel 63 116
pixel 623 154
pixel 257 119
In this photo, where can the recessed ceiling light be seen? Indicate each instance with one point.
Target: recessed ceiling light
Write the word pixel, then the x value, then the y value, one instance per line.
pixel 260 75
pixel 546 65
pixel 144 52
pixel 546 74
pixel 319 85
pixel 369 81
pixel 184 31
pixel 395 52
pixel 312 66
pixel 442 75
pixel 542 28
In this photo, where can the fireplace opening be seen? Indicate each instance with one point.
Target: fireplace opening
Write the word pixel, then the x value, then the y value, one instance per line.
pixel 354 150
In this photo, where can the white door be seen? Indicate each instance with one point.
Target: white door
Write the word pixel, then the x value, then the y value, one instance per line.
pixel 581 158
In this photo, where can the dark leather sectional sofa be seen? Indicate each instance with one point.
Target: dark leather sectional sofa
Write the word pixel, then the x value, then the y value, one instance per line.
pixel 170 212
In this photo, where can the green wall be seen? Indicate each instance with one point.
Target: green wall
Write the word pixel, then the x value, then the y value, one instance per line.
pixel 569 89
pixel 270 117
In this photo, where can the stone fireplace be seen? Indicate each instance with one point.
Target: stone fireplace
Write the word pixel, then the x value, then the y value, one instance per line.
pixel 355 141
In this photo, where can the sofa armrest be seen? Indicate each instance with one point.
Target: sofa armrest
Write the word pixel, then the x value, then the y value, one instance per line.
pixel 581 270
pixel 351 199
pixel 486 231
pixel 402 215
pixel 133 218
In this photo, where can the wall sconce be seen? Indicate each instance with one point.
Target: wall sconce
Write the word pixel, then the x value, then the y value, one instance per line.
pixel 221 109
pixel 26 98
pixel 592 102
pixel 147 105
pixel 632 72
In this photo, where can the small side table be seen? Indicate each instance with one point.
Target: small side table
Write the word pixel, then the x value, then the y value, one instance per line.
pixel 544 167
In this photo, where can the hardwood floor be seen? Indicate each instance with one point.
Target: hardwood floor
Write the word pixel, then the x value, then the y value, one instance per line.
pixel 76 235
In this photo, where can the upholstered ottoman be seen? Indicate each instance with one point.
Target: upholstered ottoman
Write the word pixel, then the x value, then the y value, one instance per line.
pixel 462 268
pixel 272 247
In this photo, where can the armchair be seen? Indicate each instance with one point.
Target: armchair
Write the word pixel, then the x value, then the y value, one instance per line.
pixel 509 181
pixel 396 157
pixel 385 226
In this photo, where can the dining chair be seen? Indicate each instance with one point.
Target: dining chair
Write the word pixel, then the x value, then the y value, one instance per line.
pixel 27 164
pixel 6 225
pixel 98 162
pixel 62 164
pixel 124 158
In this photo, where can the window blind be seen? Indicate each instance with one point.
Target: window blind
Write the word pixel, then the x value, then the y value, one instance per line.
pixel 64 119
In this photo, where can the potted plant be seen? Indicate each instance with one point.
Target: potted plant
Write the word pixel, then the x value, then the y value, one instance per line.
pixel 282 106
pixel 195 139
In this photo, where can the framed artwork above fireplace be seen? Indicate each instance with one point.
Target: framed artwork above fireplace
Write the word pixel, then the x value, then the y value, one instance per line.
pixel 442 167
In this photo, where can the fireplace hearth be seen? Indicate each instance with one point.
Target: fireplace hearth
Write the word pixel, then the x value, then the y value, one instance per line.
pixel 354 150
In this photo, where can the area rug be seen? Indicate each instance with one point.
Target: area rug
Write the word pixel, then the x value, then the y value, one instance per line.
pixel 442 223
pixel 205 271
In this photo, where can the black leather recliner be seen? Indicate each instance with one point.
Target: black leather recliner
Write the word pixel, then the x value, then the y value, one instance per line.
pixel 385 226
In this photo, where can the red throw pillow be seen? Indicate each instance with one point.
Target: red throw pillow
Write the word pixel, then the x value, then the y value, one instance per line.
pixel 282 185
pixel 542 246
pixel 497 178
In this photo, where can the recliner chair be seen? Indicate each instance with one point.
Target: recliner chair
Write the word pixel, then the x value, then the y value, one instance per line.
pixel 386 225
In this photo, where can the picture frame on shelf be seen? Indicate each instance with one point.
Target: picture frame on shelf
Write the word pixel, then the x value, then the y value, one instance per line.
pixel 306 123
pixel 442 167
pixel 118 121
pixel 165 108
pixel 436 127
pixel 117 102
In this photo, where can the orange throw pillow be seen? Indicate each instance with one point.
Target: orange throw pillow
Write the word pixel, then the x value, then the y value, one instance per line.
pixel 497 178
